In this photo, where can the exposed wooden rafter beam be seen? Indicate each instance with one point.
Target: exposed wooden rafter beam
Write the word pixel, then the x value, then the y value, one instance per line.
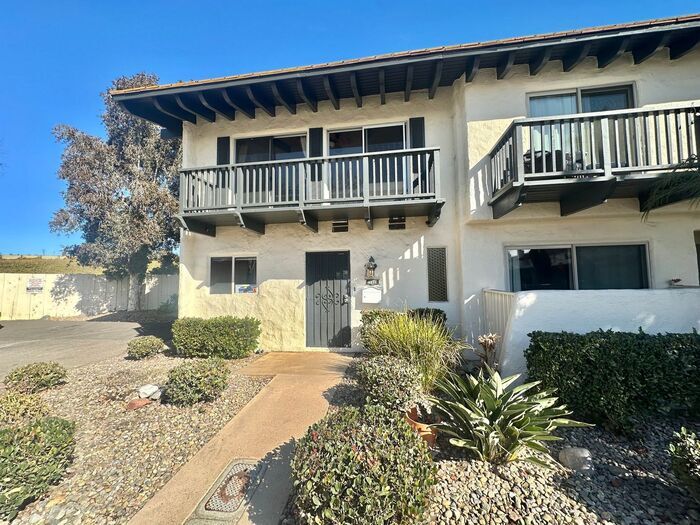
pixel 247 109
pixel 537 63
pixel 307 221
pixel 586 195
pixel 306 96
pixel 508 201
pixel 355 89
pixel 282 99
pixel 216 103
pixel 472 68
pixel 382 86
pixel 504 65
pixel 437 76
pixel 150 112
pixel 655 43
pixel 409 83
pixel 615 50
pixel 575 57
pixel 169 107
pixel 259 102
pixel 195 226
pixel 684 45
pixel 196 107
pixel 330 92
pixel 248 223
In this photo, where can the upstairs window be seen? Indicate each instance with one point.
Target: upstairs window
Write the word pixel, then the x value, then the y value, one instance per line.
pixel 263 149
pixel 581 101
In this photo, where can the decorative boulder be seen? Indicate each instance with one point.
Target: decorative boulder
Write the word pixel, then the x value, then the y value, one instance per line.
pixel 147 391
pixel 576 458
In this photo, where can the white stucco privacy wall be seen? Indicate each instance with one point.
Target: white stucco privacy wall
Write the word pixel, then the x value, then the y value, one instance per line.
pixel 583 311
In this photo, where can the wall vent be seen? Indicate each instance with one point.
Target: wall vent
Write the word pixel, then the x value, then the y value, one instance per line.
pixel 339 226
pixel 397 223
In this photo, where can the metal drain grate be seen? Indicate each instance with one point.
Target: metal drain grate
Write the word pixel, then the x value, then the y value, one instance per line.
pixel 231 492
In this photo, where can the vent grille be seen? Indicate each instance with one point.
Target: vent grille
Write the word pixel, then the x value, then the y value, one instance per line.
pixel 397 223
pixel 339 226
pixel 437 274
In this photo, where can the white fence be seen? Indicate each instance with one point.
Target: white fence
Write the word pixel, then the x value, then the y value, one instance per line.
pixel 41 296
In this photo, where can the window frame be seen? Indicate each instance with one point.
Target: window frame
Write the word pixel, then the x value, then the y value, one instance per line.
pixel 632 86
pixel 233 272
pixel 362 128
pixel 574 259
pixel 234 144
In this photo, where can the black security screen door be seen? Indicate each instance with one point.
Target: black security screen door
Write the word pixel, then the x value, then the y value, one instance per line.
pixel 328 299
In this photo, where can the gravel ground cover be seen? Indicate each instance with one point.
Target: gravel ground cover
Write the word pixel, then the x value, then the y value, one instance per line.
pixel 631 483
pixel 123 457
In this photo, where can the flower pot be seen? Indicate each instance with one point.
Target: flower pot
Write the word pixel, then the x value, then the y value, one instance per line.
pixel 424 430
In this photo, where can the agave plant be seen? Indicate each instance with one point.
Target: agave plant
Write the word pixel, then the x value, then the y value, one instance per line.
pixel 497 423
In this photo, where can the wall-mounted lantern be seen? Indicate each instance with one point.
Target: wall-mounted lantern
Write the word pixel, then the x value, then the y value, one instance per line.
pixel 370 272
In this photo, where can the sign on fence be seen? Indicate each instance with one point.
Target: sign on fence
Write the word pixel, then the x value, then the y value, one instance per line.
pixel 35 285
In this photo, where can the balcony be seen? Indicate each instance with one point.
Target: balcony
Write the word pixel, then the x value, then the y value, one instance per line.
pixel 308 190
pixel 583 159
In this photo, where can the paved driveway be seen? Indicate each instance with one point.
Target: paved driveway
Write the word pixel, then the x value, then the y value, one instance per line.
pixel 71 343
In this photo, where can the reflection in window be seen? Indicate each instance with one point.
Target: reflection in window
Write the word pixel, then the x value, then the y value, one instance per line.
pixel 245 275
pixel 540 269
pixel 612 267
pixel 220 275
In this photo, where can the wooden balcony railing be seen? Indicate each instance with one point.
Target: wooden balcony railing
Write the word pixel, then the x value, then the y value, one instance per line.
pixel 595 144
pixel 362 178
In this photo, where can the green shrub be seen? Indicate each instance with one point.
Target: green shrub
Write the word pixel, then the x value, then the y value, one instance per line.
pixel 362 466
pixel 427 345
pixel 17 409
pixel 32 458
pixel 35 377
pixel 145 346
pixel 495 423
pixel 613 378
pixel 197 381
pixel 369 318
pixel 390 381
pixel 685 460
pixel 227 337
pixel 434 314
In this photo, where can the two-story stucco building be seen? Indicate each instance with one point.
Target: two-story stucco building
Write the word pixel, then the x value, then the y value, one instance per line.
pixel 519 165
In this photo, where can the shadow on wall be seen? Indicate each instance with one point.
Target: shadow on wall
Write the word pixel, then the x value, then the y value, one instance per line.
pixel 89 295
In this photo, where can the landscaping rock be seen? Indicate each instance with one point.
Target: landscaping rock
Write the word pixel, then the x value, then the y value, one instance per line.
pixel 155 396
pixel 137 403
pixel 147 391
pixel 576 458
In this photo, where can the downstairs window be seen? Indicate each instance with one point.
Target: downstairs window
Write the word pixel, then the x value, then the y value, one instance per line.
pixel 233 274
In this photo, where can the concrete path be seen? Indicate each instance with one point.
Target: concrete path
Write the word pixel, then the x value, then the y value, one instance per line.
pixel 71 343
pixel 296 397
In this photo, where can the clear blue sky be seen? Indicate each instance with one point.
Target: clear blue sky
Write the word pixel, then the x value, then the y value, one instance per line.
pixel 57 56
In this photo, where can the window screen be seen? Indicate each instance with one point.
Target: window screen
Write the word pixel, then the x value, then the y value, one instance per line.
pixel 612 267
pixel 220 275
pixel 245 274
pixel 437 274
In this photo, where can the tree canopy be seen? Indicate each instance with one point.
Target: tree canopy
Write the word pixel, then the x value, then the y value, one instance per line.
pixel 122 191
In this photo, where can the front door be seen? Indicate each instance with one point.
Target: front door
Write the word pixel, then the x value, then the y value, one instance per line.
pixel 328 299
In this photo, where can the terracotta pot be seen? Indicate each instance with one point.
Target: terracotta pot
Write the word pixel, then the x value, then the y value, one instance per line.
pixel 427 432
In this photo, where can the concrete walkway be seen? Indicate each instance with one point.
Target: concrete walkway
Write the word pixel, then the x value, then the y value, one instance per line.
pixel 295 398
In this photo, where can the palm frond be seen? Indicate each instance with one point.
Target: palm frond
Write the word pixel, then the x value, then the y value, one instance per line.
pixel 682 183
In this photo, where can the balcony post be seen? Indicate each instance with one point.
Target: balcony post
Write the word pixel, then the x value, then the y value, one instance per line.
pixel 303 173
pixel 183 191
pixel 239 187
pixel 436 173
pixel 605 139
pixel 519 164
pixel 365 180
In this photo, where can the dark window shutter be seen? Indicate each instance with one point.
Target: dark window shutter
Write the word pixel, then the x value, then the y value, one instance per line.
pixel 223 151
pixel 416 127
pixel 316 142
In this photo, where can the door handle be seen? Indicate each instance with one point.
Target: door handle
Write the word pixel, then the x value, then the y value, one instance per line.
pixel 345 299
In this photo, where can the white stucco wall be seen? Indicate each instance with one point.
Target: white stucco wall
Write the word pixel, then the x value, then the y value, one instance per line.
pixel 584 311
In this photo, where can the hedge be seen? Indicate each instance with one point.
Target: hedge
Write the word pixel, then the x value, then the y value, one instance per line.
pixel 196 381
pixel 144 347
pixel 614 378
pixel 227 337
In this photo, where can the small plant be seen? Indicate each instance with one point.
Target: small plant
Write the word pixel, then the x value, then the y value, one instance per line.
pixel 145 346
pixel 227 337
pixel 32 458
pixel 495 423
pixel 362 466
pixel 685 460
pixel 198 381
pixel 369 318
pixel 390 381
pixel 35 377
pixel 17 409
pixel 427 345
pixel 488 344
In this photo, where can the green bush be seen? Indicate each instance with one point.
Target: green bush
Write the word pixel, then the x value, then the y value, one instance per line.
pixel 685 460
pixel 369 318
pixel 17 409
pixel 434 314
pixel 613 378
pixel 495 423
pixel 35 377
pixel 227 337
pixel 197 381
pixel 390 381
pixel 32 458
pixel 145 346
pixel 427 345
pixel 362 466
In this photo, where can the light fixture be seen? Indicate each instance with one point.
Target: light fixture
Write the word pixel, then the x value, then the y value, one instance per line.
pixel 370 272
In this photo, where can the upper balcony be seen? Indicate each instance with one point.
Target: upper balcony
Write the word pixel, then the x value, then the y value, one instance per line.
pixel 307 190
pixel 583 159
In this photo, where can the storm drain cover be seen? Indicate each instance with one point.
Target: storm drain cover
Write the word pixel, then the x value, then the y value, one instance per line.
pixel 229 495
pixel 227 498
